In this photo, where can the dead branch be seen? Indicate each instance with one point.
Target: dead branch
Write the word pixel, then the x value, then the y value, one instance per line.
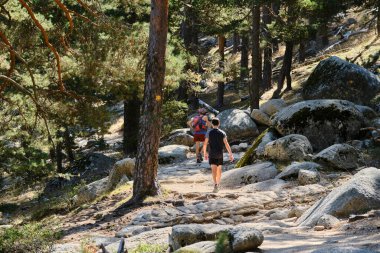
pixel 346 36
pixel 47 42
pixel 87 8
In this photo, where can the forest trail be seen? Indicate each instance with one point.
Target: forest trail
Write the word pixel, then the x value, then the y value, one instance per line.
pixel 188 198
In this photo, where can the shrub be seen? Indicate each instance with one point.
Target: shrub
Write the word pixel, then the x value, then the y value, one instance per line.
pixel 29 238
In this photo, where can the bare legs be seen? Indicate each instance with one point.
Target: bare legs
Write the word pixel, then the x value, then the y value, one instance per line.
pixel 216 173
pixel 197 146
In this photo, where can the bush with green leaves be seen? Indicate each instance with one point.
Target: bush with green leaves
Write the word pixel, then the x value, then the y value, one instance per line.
pixel 30 238
pixel 173 116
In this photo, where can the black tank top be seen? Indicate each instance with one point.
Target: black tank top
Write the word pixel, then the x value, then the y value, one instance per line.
pixel 215 139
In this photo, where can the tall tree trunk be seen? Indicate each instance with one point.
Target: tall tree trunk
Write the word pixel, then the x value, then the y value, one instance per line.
pixel 58 152
pixel 267 68
pixel 131 123
pixel 254 90
pixel 69 142
pixel 220 92
pixel 244 58
pixel 301 52
pixel 145 178
pixel 285 70
pixel 236 45
pixel 378 18
pixel 324 34
pixel 276 11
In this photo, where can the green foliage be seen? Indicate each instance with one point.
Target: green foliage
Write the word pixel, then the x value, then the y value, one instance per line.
pixel 31 238
pixel 221 243
pixel 153 248
pixel 173 115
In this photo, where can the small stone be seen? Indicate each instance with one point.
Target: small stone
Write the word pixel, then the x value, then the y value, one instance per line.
pixel 319 228
pixel 308 177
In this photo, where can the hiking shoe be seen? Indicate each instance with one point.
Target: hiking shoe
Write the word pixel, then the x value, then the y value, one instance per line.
pixel 199 160
pixel 216 188
pixel 200 157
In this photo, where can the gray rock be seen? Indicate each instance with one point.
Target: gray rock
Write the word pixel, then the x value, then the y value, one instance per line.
pixel 132 230
pixel 90 192
pixel 339 156
pixel 376 123
pixel 273 106
pixel 183 235
pixel 235 148
pixel 249 174
pixel 245 239
pixel 180 139
pixel 121 168
pixel 170 153
pixel 356 196
pixel 268 185
pixel 327 221
pixel 279 215
pixel 367 111
pixel 268 137
pixel 297 211
pixel 237 124
pixel 180 131
pixel 243 146
pixel 289 148
pixel 339 79
pixel 199 247
pixel 323 122
pixel 308 177
pixel 66 248
pixel 260 117
pixel 340 249
pixel 293 169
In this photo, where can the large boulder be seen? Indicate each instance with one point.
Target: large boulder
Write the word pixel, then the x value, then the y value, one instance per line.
pixel 323 122
pixel 268 137
pixel 293 169
pixel 237 124
pixel 260 117
pixel 288 148
pixel 179 138
pixel 273 106
pixel 121 168
pixel 339 156
pixel 199 247
pixel 308 177
pixel 90 192
pixel 188 234
pixel 245 239
pixel 249 174
pixel 339 79
pixel 170 153
pixel 356 196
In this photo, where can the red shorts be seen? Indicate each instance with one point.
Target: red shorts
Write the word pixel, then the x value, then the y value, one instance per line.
pixel 199 137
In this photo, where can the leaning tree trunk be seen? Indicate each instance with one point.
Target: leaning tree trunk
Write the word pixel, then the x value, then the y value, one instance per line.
pixel 69 143
pixel 244 58
pixel 378 18
pixel 145 178
pixel 285 70
pixel 131 123
pixel 220 92
pixel 267 68
pixel 254 89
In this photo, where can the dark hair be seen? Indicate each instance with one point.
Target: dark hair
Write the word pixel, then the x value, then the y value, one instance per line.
pixel 215 122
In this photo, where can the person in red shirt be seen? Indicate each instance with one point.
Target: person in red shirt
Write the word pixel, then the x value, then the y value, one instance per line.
pixel 199 124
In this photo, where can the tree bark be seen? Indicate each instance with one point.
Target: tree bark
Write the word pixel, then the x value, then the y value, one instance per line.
pixel 276 11
pixel 301 52
pixel 236 45
pixel 256 59
pixel 131 123
pixel 267 68
pixel 220 92
pixel 145 178
pixel 324 34
pixel 244 58
pixel 58 152
pixel 378 18
pixel 285 70
pixel 69 142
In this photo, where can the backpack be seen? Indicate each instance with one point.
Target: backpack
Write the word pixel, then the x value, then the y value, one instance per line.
pixel 199 124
